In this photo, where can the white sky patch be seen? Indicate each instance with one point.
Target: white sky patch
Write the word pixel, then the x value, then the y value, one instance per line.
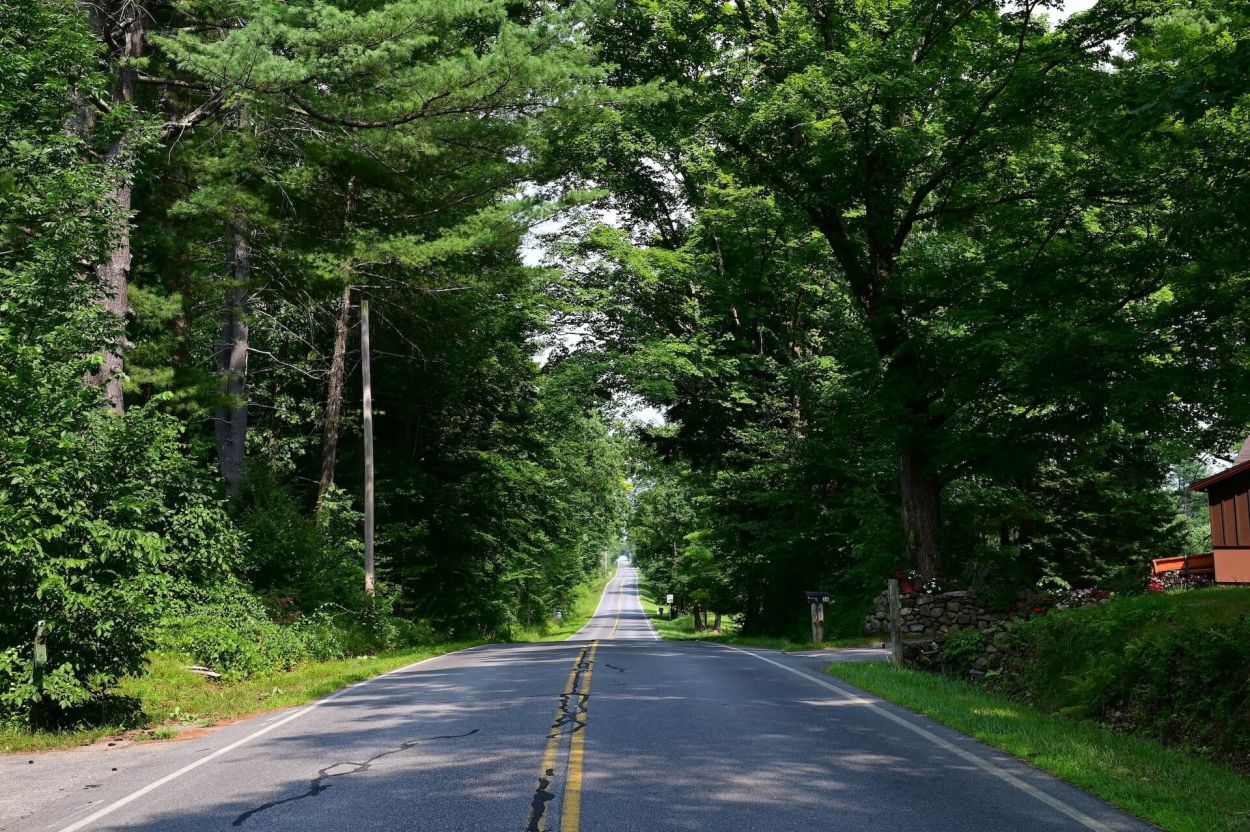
pixel 1071 7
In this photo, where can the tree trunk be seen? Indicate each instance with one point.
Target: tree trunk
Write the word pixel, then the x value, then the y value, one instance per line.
pixel 338 362
pixel 334 397
pixel 922 511
pixel 716 623
pixel 114 276
pixel 231 420
pixel 367 402
pixel 122 26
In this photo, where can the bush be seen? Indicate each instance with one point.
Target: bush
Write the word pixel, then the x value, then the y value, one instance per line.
pixel 229 629
pixel 1175 667
pixel 100 515
pixel 960 650
pixel 313 561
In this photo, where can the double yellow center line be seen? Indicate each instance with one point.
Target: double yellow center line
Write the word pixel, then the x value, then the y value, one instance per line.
pixel 571 713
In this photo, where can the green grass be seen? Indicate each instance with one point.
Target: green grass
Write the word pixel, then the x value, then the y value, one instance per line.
pixel 682 628
pixel 172 698
pixel 1165 786
pixel 575 617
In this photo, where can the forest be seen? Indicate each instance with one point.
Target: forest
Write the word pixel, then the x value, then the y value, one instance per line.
pixel 953 289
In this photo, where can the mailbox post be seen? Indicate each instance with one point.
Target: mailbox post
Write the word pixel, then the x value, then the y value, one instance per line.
pixel 817 600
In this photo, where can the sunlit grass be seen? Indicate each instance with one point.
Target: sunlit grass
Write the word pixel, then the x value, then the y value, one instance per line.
pixel 1167 787
pixel 171 698
pixel 682 628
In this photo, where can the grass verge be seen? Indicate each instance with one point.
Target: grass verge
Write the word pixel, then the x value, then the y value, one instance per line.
pixel 1169 788
pixel 682 628
pixel 171 699
pixel 575 617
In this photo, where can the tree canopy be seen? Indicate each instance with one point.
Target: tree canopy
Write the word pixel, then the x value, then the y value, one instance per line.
pixel 951 287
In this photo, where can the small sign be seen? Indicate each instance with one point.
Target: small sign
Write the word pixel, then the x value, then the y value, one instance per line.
pixel 668 599
pixel 559 614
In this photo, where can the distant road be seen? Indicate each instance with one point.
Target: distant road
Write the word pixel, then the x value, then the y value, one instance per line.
pixel 611 731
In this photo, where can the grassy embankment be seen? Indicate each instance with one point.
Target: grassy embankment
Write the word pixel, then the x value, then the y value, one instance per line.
pixel 1165 786
pixel 171 699
pixel 1105 687
pixel 682 628
pixel 582 608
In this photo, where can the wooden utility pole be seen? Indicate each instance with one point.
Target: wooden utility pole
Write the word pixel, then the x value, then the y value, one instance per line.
pixel 896 624
pixel 367 383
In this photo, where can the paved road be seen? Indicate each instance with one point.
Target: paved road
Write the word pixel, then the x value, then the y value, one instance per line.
pixel 649 736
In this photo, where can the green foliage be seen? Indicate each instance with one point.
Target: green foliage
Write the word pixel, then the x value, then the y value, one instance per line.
pixel 99 514
pixel 1175 667
pixel 301 562
pixel 102 516
pixel 959 651
pixel 235 637
pixel 866 241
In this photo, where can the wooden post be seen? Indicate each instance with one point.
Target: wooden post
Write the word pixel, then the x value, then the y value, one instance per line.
pixel 367 383
pixel 896 625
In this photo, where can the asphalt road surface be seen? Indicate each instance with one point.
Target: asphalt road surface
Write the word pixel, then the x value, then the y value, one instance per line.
pixel 611 731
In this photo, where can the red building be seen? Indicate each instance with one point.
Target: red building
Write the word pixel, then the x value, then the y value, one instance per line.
pixel 1228 495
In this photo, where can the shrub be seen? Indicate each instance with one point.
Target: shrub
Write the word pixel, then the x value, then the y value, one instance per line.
pixel 1172 666
pixel 312 561
pixel 960 650
pixel 100 515
pixel 229 630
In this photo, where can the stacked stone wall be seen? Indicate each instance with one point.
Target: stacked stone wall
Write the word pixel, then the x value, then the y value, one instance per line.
pixel 935 614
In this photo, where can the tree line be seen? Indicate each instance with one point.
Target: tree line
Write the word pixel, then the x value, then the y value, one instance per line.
pixel 954 288
pixel 948 289
pixel 196 197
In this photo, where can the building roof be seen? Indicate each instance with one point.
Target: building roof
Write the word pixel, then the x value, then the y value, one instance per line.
pixel 1241 465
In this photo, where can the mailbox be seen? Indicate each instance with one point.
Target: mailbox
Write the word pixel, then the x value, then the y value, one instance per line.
pixel 819 597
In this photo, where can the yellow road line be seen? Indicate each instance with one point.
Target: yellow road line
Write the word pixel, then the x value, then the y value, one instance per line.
pixel 553 739
pixel 571 812
pixel 612 634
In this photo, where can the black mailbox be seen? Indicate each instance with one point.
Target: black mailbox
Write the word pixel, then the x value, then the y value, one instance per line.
pixel 819 597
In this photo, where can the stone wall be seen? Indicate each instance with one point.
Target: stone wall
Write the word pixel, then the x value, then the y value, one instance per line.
pixel 934 614
pixel 930 654
pixel 929 618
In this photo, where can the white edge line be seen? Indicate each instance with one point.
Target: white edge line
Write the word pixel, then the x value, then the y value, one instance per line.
pixel 156 784
pixel 977 760
pixel 655 634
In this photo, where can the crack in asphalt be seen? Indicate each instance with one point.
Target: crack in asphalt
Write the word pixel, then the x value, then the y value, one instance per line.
pixel 567 713
pixel 614 667
pixel 321 782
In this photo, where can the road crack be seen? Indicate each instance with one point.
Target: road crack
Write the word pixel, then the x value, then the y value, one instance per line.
pixel 570 715
pixel 322 781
